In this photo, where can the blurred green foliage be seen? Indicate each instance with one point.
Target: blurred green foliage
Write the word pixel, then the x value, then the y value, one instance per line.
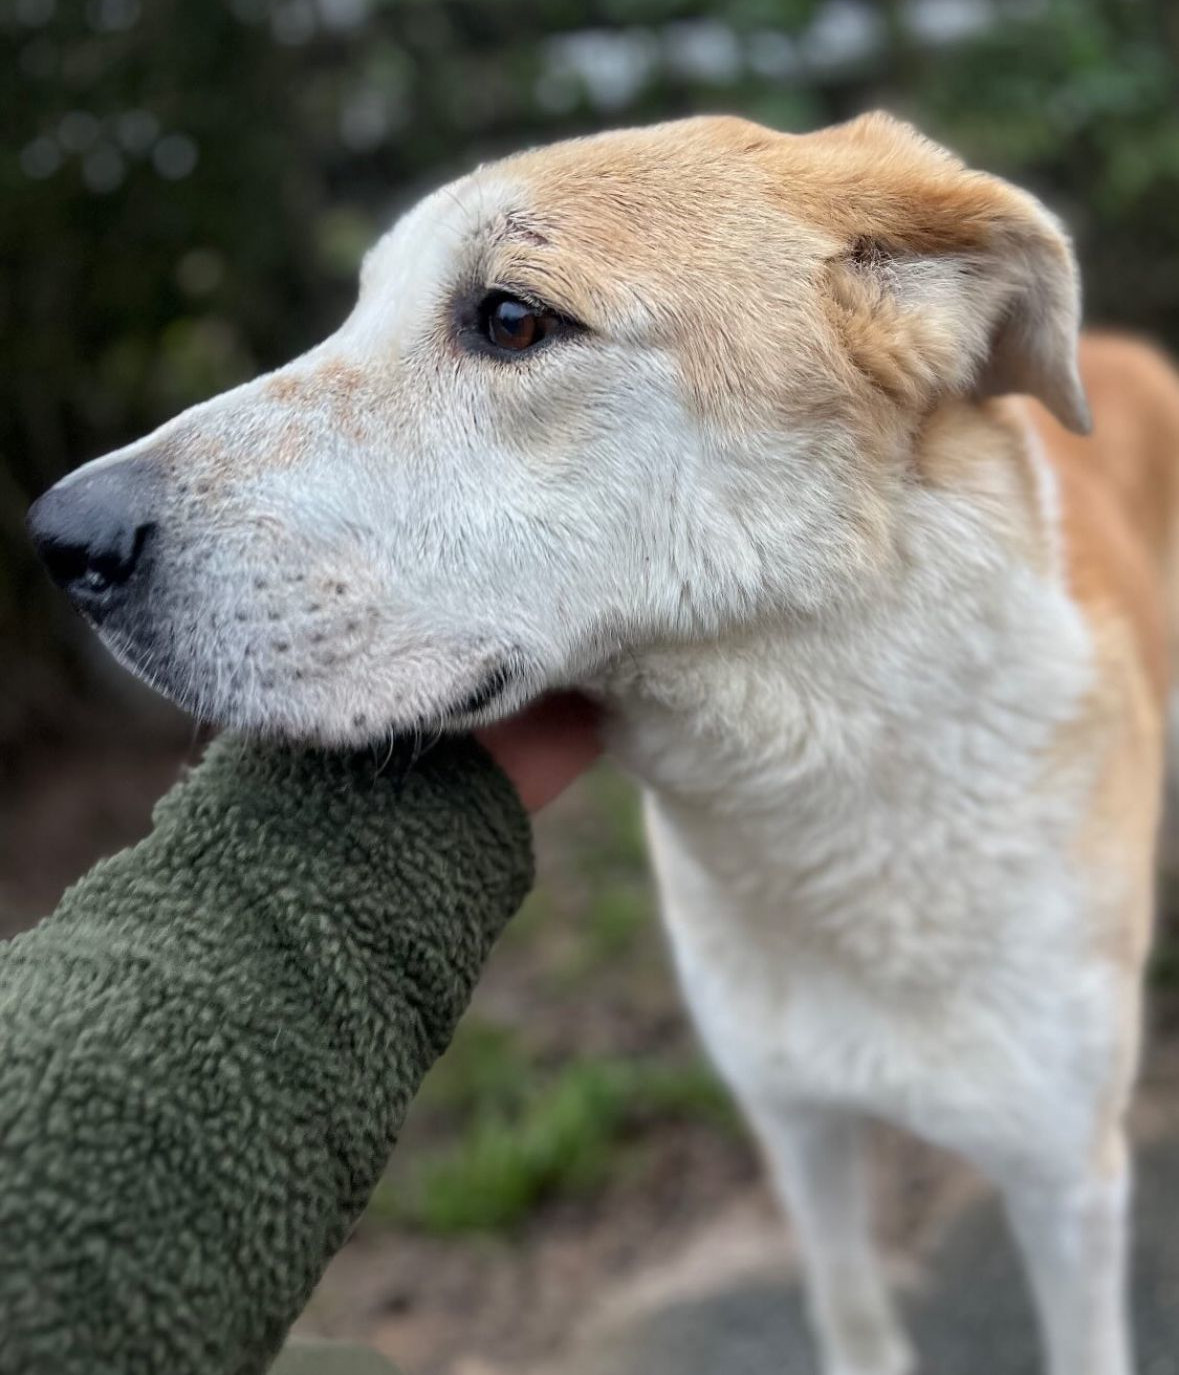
pixel 532 1133
pixel 188 185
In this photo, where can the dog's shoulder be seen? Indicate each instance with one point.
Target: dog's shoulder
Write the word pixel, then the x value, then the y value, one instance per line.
pixel 1119 496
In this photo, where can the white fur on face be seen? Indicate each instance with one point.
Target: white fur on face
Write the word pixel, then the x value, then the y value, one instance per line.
pixel 400 531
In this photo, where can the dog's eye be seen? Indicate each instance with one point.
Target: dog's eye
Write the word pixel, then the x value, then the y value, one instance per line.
pixel 514 325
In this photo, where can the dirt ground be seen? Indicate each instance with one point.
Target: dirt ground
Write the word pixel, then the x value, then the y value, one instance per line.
pixel 571 1159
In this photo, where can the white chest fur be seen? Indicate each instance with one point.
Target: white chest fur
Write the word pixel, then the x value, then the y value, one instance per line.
pixel 870 882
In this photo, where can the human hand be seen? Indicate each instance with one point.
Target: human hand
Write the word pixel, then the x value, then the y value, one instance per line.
pixel 547 746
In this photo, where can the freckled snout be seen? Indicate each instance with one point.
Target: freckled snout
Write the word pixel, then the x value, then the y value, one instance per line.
pixel 93 531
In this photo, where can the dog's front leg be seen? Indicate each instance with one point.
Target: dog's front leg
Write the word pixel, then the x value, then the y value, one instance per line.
pixel 817 1157
pixel 1073 1233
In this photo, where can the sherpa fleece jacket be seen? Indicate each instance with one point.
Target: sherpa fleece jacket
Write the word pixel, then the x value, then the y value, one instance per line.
pixel 207 1051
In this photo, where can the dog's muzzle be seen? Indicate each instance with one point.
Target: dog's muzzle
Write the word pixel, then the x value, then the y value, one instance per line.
pixel 93 532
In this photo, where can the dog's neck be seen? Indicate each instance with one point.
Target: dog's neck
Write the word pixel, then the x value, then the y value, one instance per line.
pixel 972 603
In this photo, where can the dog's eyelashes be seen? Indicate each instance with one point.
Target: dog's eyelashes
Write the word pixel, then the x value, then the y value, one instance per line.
pixel 514 325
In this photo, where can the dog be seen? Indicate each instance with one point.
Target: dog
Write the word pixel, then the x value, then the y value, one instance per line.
pixel 774 444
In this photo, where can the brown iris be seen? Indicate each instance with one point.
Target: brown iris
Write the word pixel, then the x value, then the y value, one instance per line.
pixel 514 325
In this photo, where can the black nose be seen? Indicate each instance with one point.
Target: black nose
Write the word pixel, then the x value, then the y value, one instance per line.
pixel 91 532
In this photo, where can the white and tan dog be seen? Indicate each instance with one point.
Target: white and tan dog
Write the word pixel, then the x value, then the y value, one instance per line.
pixel 700 417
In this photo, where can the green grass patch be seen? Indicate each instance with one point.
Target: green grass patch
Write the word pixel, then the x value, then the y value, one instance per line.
pixel 610 929
pixel 617 916
pixel 617 844
pixel 562 1139
pixel 484 1069
pixel 530 922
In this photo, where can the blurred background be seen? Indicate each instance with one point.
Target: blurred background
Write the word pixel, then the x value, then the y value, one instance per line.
pixel 186 188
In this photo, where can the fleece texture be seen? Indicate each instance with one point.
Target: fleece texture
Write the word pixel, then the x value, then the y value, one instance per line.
pixel 207 1051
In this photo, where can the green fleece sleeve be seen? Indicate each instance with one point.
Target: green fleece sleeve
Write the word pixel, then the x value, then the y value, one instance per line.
pixel 206 1052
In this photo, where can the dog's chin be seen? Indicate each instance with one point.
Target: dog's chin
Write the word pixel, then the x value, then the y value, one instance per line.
pixel 332 716
pixel 357 728
pixel 499 692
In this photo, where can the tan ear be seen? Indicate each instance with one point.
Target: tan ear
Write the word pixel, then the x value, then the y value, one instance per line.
pixel 1034 345
pixel 974 281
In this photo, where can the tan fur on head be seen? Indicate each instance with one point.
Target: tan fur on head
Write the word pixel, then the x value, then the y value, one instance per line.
pixel 938 280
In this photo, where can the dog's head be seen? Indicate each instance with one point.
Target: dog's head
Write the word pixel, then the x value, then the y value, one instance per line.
pixel 633 389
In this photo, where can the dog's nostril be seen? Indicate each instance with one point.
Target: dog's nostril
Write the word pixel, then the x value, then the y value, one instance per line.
pixel 111 565
pixel 87 538
pixel 64 562
pixel 80 566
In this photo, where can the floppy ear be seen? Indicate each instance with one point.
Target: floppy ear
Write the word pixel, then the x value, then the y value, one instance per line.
pixel 958 278
pixel 1033 347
